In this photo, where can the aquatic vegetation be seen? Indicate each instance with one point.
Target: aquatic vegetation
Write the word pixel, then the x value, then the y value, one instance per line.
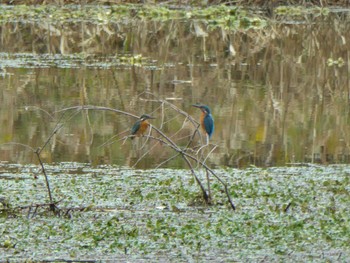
pixel 229 17
pixel 335 62
pixel 77 60
pixel 296 11
pixel 115 212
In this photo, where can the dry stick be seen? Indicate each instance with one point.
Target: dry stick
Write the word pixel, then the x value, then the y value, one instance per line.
pixel 91 107
pixel 215 146
pixel 167 160
pixel 29 210
pixel 207 173
pixel 52 206
pixel 189 117
pixel 36 209
pixel 38 152
pixel 149 133
pixel 147 152
pixel 20 144
pixel 56 129
pixel 217 177
pixel 174 156
pixel 38 108
pixel 91 131
pixel 111 140
pixel 163 116
pixel 179 150
pixel 172 106
pixel 36 205
pixel 189 143
pixel 173 118
pixel 185 154
pixel 186 147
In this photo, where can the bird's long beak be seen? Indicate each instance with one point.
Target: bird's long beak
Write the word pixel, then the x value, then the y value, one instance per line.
pixel 196 105
pixel 151 117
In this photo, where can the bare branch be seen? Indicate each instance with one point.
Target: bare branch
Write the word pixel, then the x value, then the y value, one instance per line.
pixel 38 108
pixel 19 144
pixel 52 205
pixel 175 147
pixel 167 160
pixel 162 139
pixel 90 107
pixel 187 156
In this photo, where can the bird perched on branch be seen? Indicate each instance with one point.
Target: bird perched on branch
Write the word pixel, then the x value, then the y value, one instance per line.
pixel 141 126
pixel 206 120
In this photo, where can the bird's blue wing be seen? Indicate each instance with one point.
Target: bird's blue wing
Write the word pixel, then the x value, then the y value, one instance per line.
pixel 209 124
pixel 136 127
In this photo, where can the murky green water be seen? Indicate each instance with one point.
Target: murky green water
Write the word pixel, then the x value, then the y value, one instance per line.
pixel 279 94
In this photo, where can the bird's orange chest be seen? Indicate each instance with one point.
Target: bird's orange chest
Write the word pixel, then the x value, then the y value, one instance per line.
pixel 143 127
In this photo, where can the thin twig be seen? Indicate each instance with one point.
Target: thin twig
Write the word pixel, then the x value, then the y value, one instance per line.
pixel 145 153
pixel 40 109
pixel 187 156
pixel 90 107
pixel 206 171
pixel 167 160
pixel 172 106
pixel 176 148
pixel 149 133
pixel 19 144
pixel 58 126
pixel 170 143
pixel 110 140
pixel 37 152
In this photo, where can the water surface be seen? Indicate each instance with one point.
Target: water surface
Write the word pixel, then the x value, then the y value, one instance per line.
pixel 279 94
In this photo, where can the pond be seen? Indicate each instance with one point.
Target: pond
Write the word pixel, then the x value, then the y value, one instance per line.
pixel 73 81
pixel 279 92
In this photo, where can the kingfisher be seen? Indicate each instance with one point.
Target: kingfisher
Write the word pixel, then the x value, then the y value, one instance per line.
pixel 141 126
pixel 206 120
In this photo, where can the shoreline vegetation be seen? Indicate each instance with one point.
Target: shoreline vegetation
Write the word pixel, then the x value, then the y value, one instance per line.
pixel 246 3
pixel 228 15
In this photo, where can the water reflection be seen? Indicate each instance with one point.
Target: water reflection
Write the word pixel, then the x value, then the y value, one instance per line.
pixel 277 94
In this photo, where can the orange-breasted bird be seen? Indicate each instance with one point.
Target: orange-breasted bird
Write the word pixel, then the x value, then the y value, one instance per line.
pixel 206 120
pixel 141 126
